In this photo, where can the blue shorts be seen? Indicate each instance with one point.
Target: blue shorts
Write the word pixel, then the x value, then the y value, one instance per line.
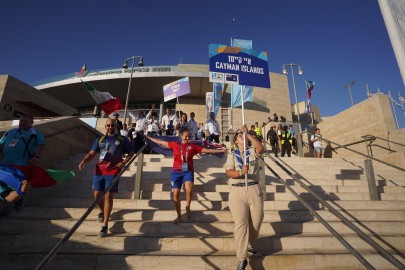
pixel 178 178
pixel 102 182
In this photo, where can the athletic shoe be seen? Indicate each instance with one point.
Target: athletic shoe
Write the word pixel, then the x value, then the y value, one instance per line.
pixel 19 205
pixel 251 250
pixel 101 217
pixel 103 232
pixel 242 265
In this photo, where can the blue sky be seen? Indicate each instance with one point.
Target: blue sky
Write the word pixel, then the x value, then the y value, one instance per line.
pixel 334 41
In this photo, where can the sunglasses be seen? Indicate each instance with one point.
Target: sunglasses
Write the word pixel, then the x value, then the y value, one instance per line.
pixel 110 125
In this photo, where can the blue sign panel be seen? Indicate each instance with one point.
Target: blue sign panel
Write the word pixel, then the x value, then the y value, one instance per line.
pixel 238 66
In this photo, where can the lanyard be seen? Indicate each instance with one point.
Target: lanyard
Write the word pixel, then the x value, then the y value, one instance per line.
pixel 181 152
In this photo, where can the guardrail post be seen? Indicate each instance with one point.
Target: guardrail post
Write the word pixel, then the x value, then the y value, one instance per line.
pixel 262 178
pixel 138 177
pixel 372 187
pixel 299 145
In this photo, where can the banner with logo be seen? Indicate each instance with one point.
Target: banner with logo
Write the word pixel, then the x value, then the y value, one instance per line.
pixel 235 65
pixel 176 89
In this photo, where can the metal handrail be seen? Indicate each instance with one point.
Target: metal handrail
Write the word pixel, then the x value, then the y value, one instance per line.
pixel 375 137
pixel 345 221
pixel 357 142
pixel 364 155
pixel 346 244
pixel 79 222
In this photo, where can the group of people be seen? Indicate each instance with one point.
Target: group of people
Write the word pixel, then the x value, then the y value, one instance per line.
pixel 245 199
pixel 282 140
pixel 25 145
pixel 170 125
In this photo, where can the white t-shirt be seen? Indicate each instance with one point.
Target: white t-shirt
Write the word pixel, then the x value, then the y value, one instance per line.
pixel 212 126
pixel 166 120
pixel 317 143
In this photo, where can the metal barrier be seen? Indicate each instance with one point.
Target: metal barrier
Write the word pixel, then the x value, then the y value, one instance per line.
pixel 345 221
pixel 79 222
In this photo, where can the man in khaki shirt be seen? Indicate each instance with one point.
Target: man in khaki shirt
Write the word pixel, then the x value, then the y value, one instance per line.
pixel 245 202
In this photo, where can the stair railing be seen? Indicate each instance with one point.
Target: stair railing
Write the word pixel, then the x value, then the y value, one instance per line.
pixel 345 221
pixel 372 138
pixel 79 222
pixel 368 167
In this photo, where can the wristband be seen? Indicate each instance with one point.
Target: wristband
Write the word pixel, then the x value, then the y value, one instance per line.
pixel 240 172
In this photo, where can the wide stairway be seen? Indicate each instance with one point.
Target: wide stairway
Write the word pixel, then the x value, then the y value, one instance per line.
pixel 143 236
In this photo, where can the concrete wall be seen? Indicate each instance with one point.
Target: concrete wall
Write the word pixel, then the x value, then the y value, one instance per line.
pixel 17 97
pixel 374 117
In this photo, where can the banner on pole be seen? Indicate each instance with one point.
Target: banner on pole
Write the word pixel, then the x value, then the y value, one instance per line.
pixel 235 65
pixel 209 104
pixel 176 89
pixel 218 92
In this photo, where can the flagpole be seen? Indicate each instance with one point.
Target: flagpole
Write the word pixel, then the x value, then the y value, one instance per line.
pixel 393 108
pixel 231 126
pixel 178 108
pixel 244 137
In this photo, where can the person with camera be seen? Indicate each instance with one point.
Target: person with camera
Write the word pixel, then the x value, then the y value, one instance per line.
pixel 316 139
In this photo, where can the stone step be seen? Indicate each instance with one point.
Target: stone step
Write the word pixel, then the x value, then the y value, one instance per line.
pixel 274 187
pixel 188 260
pixel 130 244
pixel 271 196
pixel 34 213
pixel 215 205
pixel 190 228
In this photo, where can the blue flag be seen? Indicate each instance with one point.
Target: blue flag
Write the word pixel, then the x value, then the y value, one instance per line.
pixel 236 97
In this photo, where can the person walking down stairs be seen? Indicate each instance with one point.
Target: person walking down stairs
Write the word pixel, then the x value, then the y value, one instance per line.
pixel 183 170
pixel 245 199
pixel 111 149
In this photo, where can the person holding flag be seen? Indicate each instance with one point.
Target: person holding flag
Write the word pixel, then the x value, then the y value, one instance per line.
pixel 245 197
pixel 183 169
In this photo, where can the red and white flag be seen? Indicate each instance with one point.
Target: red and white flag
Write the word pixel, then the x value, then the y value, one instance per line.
pixel 82 72
pixel 105 100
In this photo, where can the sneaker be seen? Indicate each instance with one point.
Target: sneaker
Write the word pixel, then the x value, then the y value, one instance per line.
pixel 103 232
pixel 19 205
pixel 100 217
pixel 242 265
pixel 251 250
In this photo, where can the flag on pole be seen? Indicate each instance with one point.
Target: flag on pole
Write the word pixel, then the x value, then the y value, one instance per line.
pixel 236 97
pixel 310 87
pixel 218 92
pixel 82 72
pixel 108 103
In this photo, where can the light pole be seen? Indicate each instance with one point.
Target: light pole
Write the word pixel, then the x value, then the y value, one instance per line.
pixel 300 72
pixel 348 85
pixel 125 65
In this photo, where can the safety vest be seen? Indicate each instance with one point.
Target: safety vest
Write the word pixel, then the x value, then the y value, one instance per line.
pixel 285 136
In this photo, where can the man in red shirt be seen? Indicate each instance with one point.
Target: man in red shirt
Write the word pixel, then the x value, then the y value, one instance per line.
pixel 183 170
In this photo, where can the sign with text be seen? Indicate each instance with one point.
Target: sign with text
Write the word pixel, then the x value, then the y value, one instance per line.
pixel 176 89
pixel 234 65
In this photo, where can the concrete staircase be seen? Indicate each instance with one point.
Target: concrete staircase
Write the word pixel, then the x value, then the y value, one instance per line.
pixel 142 235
